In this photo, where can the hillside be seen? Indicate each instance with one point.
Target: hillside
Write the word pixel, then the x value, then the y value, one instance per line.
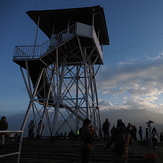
pixel 137 117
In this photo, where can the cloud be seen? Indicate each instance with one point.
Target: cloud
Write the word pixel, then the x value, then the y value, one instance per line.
pixel 159 56
pixel 106 103
pixel 133 103
pixel 137 79
pixel 138 83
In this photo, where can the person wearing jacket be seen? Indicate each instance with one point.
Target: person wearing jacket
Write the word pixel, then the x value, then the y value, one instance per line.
pixel 105 128
pixel 3 126
pixel 87 137
pixel 31 126
pixel 122 139
pixel 154 136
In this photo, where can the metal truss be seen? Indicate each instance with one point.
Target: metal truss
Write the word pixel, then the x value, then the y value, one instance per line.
pixel 64 95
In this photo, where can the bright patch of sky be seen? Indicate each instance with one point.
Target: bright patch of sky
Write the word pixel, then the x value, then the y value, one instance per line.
pixel 131 76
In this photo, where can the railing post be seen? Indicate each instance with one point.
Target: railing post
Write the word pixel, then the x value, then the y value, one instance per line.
pixel 20 144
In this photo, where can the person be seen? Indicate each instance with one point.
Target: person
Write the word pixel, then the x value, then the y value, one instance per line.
pixel 161 137
pixel 154 136
pixel 140 133
pixel 71 134
pixel 149 132
pixel 87 138
pixel 61 135
pixel 3 126
pixel 40 129
pixel 105 127
pixel 134 129
pixel 146 134
pixel 112 130
pixel 30 129
pixel 130 128
pixel 65 135
pixel 122 138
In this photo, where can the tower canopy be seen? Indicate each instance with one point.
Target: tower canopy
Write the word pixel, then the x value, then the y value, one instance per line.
pixel 55 21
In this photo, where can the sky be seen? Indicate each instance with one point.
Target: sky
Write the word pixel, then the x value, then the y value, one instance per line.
pixel 131 77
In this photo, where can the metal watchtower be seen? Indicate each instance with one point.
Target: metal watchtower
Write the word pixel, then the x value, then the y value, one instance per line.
pixel 60 74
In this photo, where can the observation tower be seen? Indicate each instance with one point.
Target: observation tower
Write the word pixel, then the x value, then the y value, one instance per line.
pixel 59 74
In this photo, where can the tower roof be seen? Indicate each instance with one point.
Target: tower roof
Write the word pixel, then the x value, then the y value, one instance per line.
pixel 55 21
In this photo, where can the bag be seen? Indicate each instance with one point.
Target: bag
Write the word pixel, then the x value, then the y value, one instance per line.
pixel 89 146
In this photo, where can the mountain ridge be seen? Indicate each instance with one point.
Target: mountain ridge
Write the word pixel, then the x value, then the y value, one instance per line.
pixel 137 117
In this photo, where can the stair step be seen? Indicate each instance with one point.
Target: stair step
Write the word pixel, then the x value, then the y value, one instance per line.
pixel 59 151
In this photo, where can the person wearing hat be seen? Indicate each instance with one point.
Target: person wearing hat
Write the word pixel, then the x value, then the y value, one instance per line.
pixel 87 137
pixel 122 139
pixel 3 126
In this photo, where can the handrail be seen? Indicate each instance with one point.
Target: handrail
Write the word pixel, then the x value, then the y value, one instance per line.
pixel 12 131
pixel 19 149
pixel 10 154
pixel 36 51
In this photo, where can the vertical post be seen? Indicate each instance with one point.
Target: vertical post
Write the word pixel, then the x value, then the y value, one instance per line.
pixel 77 94
pixel 93 18
pixel 38 22
pixel 86 84
pixel 68 27
pixel 92 93
pixel 57 102
pixel 98 119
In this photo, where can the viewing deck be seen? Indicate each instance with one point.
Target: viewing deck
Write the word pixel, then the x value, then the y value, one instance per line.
pixel 67 44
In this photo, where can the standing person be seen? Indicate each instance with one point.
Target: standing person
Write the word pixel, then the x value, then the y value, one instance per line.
pixel 3 126
pixel 105 127
pixel 40 129
pixel 122 139
pixel 129 128
pixel 65 135
pixel 30 129
pixel 146 134
pixel 140 133
pixel 112 130
pixel 71 134
pixel 134 132
pixel 149 132
pixel 87 137
pixel 154 136
pixel 161 137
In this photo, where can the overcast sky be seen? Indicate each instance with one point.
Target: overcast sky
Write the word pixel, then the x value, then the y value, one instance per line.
pixel 132 74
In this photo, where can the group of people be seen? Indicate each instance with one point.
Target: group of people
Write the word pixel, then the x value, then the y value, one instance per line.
pixel 151 134
pixel 61 135
pixel 120 136
pixel 31 126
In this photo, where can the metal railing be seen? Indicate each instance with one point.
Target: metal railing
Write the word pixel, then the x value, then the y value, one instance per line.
pixel 36 51
pixel 20 144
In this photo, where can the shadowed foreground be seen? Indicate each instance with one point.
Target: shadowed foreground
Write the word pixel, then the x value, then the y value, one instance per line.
pixel 66 151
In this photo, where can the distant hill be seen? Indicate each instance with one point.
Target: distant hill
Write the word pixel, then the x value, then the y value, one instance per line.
pixel 137 117
pixel 15 121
